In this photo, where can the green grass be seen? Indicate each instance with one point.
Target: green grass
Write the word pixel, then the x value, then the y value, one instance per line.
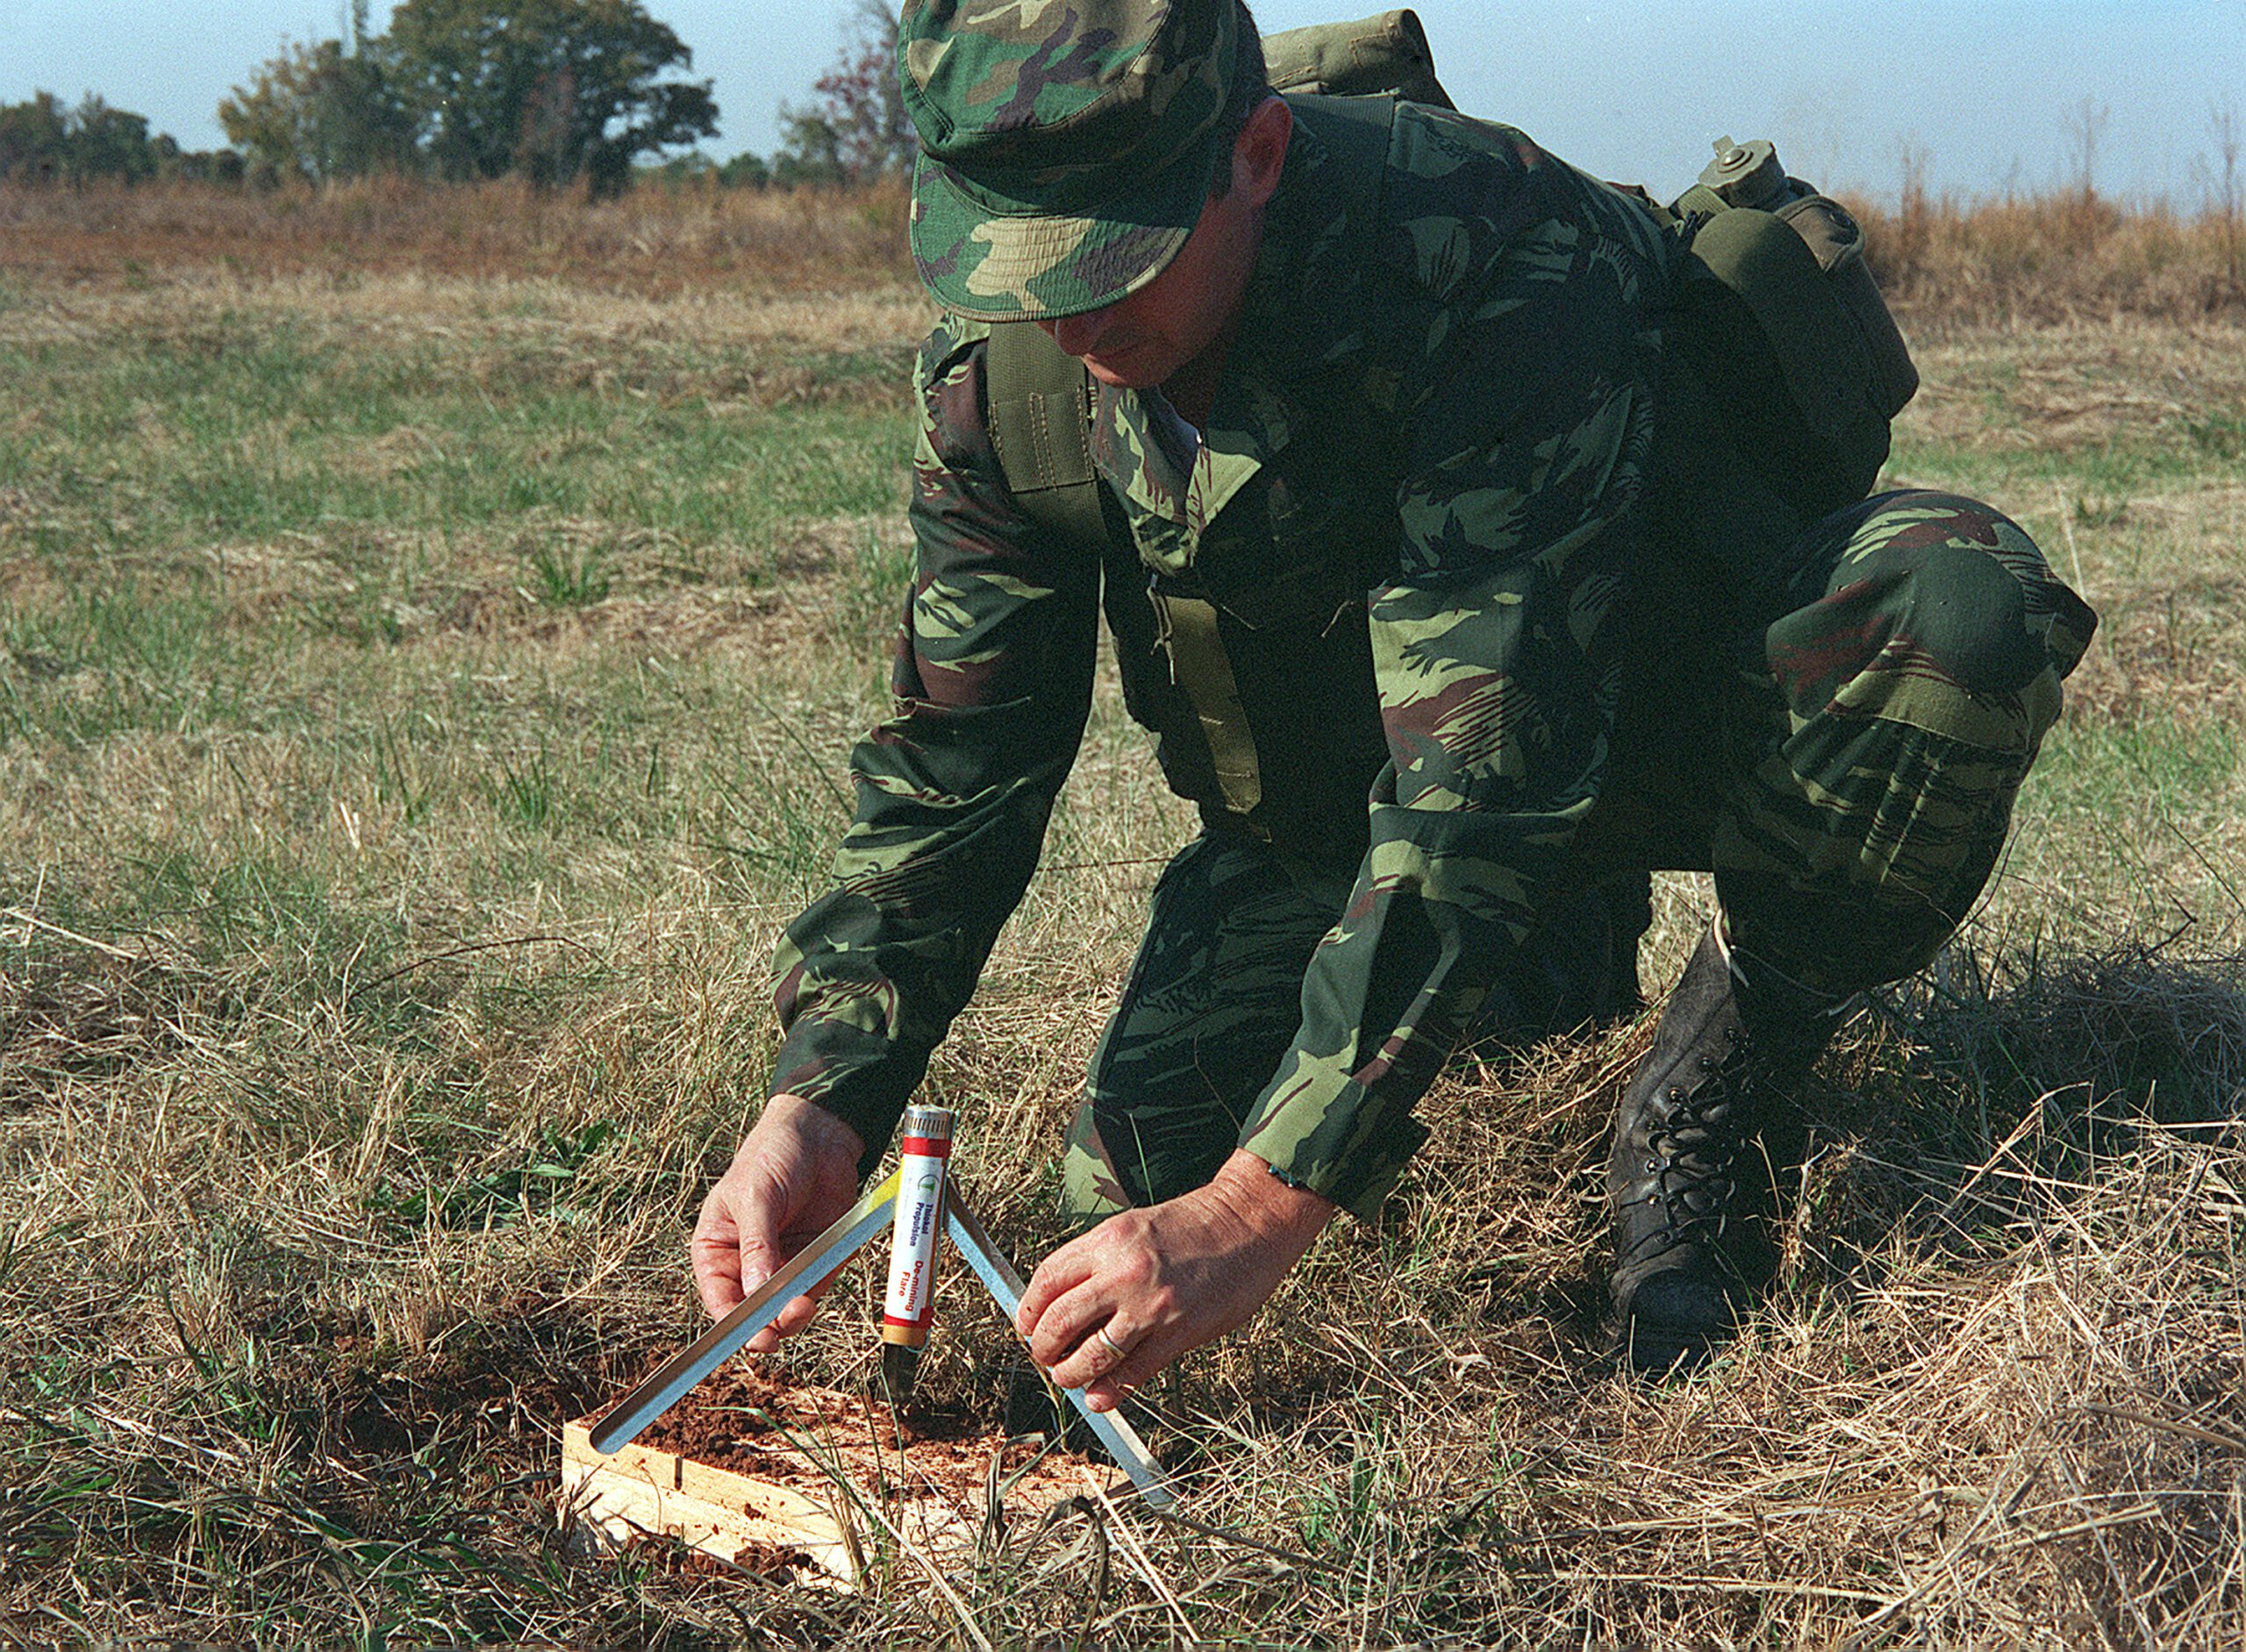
pixel 421 703
pixel 266 562
pixel 250 427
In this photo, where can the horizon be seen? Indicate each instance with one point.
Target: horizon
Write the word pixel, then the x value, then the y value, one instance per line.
pixel 1635 90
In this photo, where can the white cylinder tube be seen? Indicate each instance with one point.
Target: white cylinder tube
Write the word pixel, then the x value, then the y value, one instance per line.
pixel 923 1161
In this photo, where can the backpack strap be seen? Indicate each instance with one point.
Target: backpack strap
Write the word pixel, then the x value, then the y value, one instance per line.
pixel 1039 397
pixel 1040 413
pixel 1039 420
pixel 1356 131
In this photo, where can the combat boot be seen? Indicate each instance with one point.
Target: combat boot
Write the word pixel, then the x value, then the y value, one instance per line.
pixel 1735 1038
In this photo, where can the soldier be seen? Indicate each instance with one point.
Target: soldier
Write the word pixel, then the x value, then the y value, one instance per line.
pixel 1456 607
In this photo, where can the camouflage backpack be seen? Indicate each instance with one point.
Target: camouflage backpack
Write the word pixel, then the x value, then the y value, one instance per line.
pixel 1775 312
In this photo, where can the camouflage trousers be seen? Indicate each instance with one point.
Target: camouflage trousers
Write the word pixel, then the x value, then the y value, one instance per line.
pixel 1842 751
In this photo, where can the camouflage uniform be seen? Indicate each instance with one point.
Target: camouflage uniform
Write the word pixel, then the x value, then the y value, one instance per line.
pixel 1456 577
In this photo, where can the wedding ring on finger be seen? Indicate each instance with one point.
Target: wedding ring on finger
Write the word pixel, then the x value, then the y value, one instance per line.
pixel 1112 1345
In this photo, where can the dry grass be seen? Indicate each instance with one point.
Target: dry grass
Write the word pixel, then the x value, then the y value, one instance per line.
pixel 1995 1398
pixel 2035 260
pixel 390 850
pixel 2040 260
pixel 653 240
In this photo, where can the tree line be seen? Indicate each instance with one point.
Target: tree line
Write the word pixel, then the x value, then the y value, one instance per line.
pixel 560 92
pixel 44 141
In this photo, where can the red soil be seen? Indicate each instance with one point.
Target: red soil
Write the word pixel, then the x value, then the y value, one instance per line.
pixel 749 1419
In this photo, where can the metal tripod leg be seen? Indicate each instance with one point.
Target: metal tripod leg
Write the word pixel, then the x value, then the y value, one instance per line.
pixel 678 1373
pixel 673 1380
pixel 1004 1284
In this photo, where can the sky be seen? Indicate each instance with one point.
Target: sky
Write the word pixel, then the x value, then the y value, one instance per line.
pixel 1989 95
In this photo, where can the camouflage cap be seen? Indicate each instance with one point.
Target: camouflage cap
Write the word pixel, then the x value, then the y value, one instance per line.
pixel 1067 144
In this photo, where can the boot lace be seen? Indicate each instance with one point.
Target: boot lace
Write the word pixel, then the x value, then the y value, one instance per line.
pixel 1690 1149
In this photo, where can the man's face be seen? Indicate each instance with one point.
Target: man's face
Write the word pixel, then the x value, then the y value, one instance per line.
pixel 1142 339
pixel 1174 319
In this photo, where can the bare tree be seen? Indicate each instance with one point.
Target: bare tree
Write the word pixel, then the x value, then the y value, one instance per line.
pixel 2224 187
pixel 2085 126
pixel 858 129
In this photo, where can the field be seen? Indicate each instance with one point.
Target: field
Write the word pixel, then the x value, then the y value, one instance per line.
pixel 424 686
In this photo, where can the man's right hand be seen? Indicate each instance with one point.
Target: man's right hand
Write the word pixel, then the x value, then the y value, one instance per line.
pixel 794 1174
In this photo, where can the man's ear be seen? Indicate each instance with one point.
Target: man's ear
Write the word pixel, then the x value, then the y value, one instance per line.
pixel 1260 150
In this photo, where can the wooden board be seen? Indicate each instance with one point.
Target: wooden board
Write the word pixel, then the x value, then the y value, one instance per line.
pixel 758 1524
pixel 808 1482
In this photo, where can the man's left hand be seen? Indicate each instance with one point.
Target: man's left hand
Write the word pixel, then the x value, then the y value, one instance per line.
pixel 1107 1311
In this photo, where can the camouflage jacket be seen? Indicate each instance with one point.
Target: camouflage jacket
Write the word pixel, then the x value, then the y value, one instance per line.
pixel 1442 411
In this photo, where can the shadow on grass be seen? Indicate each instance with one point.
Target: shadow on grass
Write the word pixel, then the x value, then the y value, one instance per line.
pixel 86 1012
pixel 1943 1132
pixel 1977 1093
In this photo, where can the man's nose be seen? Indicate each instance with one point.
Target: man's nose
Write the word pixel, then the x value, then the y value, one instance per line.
pixel 1076 334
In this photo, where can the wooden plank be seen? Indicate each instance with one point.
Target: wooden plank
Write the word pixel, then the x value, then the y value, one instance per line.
pixel 630 1463
pixel 643 1490
pixel 618 1507
pixel 729 1488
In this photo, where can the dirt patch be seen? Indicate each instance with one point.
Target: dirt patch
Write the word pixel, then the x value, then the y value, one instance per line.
pixel 765 1472
pixel 752 1419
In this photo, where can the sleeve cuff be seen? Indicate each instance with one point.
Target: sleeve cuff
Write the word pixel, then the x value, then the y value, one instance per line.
pixel 853 1095
pixel 1329 1135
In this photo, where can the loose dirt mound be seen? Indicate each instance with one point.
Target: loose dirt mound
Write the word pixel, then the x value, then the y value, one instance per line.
pixel 751 1418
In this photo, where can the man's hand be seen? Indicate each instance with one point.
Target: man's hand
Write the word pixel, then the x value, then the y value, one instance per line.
pixel 1109 1310
pixel 796 1172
